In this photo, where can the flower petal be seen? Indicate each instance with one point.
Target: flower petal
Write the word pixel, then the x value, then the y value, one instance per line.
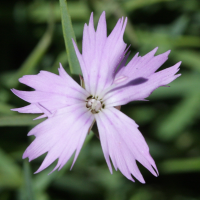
pixel 141 87
pixel 98 62
pixel 49 101
pixel 32 108
pixel 138 67
pixel 60 135
pixel 123 142
pixel 52 92
pixel 49 82
pixel 146 65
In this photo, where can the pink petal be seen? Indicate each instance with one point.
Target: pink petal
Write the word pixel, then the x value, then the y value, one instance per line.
pixel 141 87
pixel 32 108
pixel 140 66
pixel 99 43
pixel 49 101
pixel 123 142
pixel 52 92
pixel 101 54
pixel 60 135
pixel 49 82
pixel 146 65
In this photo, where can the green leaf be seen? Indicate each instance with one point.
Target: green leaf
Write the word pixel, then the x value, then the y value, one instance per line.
pixel 28 181
pixel 10 173
pixel 180 165
pixel 180 118
pixel 150 40
pixel 189 58
pixel 132 5
pixel 5 109
pixel 38 11
pixel 19 120
pixel 68 34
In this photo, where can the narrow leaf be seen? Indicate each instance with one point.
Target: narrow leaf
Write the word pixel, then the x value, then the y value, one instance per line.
pixel 28 181
pixel 5 108
pixel 180 118
pixel 10 172
pixel 132 5
pixel 68 34
pixel 38 11
pixel 19 120
pixel 180 165
pixel 190 58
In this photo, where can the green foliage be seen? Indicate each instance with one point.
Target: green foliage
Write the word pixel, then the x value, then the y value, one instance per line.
pixel 32 40
pixel 68 33
pixel 180 165
pixel 18 120
pixel 10 172
pixel 11 80
pixel 28 181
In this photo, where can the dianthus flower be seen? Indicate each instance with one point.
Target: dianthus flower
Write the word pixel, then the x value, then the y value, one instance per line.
pixel 109 83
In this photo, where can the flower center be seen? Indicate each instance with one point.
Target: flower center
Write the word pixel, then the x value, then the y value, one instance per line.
pixel 94 104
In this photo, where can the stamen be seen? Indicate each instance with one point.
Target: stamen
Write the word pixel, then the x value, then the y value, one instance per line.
pixel 94 104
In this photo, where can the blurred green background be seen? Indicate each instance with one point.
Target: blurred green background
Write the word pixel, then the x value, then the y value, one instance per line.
pixel 31 40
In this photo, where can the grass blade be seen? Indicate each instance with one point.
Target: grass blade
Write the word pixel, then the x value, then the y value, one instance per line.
pixel 68 34
pixel 19 120
pixel 28 181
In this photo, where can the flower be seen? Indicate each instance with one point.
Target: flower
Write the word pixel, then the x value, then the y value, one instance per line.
pixel 109 82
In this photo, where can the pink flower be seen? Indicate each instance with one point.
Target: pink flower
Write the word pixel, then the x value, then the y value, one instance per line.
pixel 71 109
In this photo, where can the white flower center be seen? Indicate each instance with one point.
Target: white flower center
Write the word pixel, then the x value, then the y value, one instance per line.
pixel 94 104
